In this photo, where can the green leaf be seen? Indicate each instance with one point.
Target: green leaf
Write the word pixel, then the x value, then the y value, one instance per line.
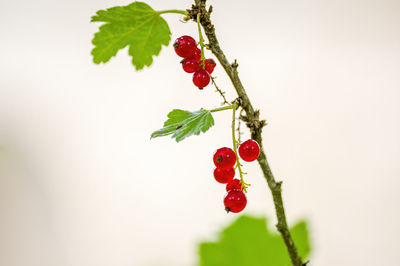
pixel 136 25
pixel 248 241
pixel 182 124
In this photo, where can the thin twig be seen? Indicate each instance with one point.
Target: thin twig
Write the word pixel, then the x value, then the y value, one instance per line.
pixel 222 93
pixel 254 123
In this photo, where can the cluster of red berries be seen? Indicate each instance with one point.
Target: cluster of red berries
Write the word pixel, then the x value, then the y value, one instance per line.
pixel 225 159
pixel 186 47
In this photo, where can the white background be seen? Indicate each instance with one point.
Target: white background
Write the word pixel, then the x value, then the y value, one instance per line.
pixel 81 183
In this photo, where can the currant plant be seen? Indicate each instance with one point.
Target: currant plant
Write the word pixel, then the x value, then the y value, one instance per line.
pixel 145 32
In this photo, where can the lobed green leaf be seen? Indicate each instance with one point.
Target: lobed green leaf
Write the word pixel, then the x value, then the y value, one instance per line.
pixel 136 25
pixel 248 241
pixel 182 124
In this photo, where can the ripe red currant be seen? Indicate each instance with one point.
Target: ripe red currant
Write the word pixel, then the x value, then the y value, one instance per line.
pixel 201 78
pixel 224 158
pixel 210 65
pixel 185 46
pixel 234 184
pixel 224 176
pixel 249 150
pixel 235 201
pixel 190 65
pixel 197 54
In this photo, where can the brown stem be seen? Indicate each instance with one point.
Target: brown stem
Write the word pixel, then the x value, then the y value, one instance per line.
pixel 252 121
pixel 222 93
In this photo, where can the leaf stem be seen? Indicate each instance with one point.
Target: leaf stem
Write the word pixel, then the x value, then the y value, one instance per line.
pixel 222 108
pixel 255 125
pixel 176 11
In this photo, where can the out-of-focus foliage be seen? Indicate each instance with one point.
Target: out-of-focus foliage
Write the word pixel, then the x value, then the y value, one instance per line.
pixel 249 242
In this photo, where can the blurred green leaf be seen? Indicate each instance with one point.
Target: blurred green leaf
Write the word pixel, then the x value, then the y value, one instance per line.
pixel 182 124
pixel 248 242
pixel 136 25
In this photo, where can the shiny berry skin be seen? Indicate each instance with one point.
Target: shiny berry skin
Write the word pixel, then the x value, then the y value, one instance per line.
pixel 210 65
pixel 185 46
pixel 197 54
pixel 224 176
pixel 234 184
pixel 190 65
pixel 224 158
pixel 249 150
pixel 201 78
pixel 235 201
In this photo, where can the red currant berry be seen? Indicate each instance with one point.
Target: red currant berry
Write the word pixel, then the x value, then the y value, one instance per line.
pixel 190 65
pixel 224 158
pixel 234 184
pixel 197 54
pixel 210 65
pixel 235 201
pixel 185 46
pixel 249 150
pixel 224 176
pixel 201 78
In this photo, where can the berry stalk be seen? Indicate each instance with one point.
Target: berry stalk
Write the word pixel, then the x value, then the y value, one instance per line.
pixel 201 42
pixel 235 143
pixel 200 13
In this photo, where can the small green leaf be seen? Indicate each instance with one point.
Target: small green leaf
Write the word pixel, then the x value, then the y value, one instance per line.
pixel 182 124
pixel 136 25
pixel 248 241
